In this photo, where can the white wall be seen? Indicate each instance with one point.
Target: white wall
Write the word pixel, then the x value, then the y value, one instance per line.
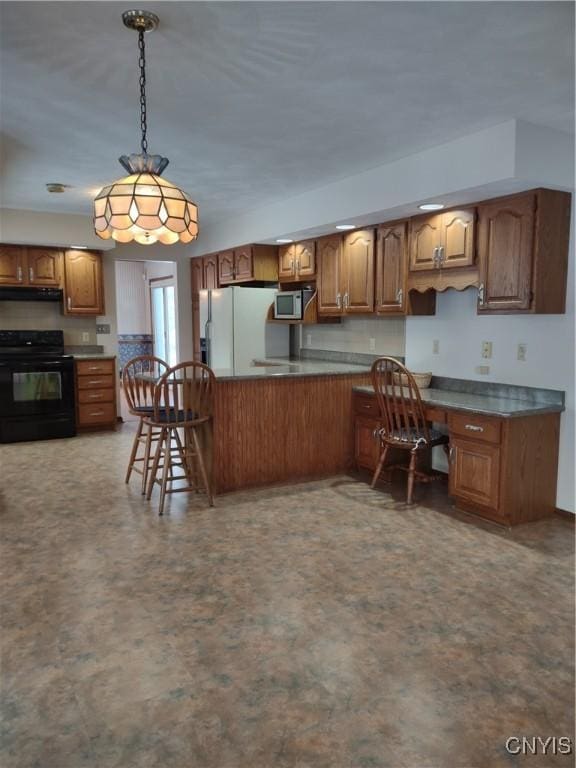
pixel 354 334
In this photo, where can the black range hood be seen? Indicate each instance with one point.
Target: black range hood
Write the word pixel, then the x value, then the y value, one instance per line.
pixel 29 293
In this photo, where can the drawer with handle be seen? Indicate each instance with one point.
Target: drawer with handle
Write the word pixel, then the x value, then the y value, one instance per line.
pixel 96 395
pixel 89 367
pixel 365 405
pixel 475 427
pixel 96 413
pixel 95 382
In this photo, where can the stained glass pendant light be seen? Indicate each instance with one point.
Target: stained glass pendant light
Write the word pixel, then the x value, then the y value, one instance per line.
pixel 143 206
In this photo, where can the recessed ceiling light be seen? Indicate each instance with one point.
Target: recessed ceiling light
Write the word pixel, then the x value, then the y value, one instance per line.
pixel 56 187
pixel 431 206
pixel 345 226
pixel 284 240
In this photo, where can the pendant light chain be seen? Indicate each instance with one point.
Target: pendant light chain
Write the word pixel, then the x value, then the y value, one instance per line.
pixel 142 64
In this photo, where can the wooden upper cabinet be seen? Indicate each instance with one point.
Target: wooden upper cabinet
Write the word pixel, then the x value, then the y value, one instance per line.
pixel 506 247
pixel 83 283
pixel 305 253
pixel 30 265
pixel 197 275
pixel 243 266
pixel 250 263
pixel 442 241
pixel 287 262
pixel 358 258
pixel 391 269
pixel 425 234
pixel 44 266
pixel 210 264
pixel 12 258
pixel 297 261
pixel 329 286
pixel 457 238
pixel 226 267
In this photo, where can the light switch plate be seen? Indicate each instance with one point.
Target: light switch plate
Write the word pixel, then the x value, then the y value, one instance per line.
pixel 372 345
pixel 522 349
pixel 103 328
pixel 436 347
pixel 486 350
pixel 483 370
pixel 85 337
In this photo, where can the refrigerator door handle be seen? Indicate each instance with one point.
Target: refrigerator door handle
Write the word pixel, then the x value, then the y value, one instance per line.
pixel 208 342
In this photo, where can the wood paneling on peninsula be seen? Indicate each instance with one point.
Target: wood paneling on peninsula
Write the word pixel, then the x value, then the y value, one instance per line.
pixel 282 429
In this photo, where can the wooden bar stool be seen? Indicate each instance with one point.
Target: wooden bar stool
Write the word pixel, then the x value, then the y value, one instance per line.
pixel 139 377
pixel 183 412
pixel 403 418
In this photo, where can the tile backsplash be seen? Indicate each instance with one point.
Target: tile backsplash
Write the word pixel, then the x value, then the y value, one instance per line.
pixel 370 335
pixel 46 316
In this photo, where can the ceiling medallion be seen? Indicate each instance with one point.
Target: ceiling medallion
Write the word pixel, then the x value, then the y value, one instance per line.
pixel 143 206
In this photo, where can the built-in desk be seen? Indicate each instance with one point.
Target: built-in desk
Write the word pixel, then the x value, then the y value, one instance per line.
pixel 503 451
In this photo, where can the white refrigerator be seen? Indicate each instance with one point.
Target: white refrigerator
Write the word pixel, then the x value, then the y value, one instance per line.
pixel 233 322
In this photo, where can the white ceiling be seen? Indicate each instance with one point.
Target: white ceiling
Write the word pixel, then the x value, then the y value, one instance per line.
pixel 255 102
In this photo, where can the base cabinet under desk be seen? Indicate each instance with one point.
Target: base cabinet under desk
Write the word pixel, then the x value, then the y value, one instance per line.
pixel 502 469
pixel 96 393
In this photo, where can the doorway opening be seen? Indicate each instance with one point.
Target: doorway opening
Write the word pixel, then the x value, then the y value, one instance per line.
pixel 146 312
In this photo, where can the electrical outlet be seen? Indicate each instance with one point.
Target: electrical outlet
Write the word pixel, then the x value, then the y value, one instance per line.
pixel 435 347
pixel 308 339
pixel 372 345
pixel 85 337
pixel 522 349
pixel 483 370
pixel 487 350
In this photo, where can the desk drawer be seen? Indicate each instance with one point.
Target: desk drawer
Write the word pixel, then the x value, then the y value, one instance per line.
pixel 90 367
pixel 96 413
pixel 95 382
pixel 366 405
pixel 475 427
pixel 96 395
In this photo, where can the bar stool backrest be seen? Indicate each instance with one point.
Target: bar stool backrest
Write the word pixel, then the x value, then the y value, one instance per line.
pixel 399 401
pixel 139 377
pixel 185 394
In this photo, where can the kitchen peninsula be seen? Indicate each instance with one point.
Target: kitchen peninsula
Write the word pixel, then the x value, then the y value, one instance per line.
pixel 283 421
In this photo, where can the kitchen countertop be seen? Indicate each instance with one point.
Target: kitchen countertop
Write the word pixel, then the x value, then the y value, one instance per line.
pixel 482 404
pixel 92 356
pixel 282 368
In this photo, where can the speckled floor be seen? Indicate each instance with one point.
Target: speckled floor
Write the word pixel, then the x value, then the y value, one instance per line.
pixel 316 626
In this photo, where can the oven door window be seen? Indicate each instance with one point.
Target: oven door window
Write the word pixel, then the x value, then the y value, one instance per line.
pixel 36 386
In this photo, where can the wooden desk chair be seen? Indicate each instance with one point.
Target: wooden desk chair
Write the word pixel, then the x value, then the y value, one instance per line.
pixel 403 419
pixel 138 376
pixel 183 403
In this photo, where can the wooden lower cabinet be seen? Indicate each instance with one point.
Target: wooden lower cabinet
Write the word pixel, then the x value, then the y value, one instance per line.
pixel 503 469
pixel 96 393
pixel 475 472
pixel 366 442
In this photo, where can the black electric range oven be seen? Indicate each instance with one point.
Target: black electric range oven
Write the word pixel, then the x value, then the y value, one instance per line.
pixel 36 386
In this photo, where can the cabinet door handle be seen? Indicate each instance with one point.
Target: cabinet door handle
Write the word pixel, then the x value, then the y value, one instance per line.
pixel 97 381
pixel 298 265
pixel 436 256
pixel 31 274
pixel 399 296
pixel 451 453
pixel 97 413
pixel 94 367
pixel 441 255
pixel 339 301
pixel 19 273
pixel 291 266
pixel 474 428
pixel 346 301
pixel 369 407
pixel 481 294
pixel 69 302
